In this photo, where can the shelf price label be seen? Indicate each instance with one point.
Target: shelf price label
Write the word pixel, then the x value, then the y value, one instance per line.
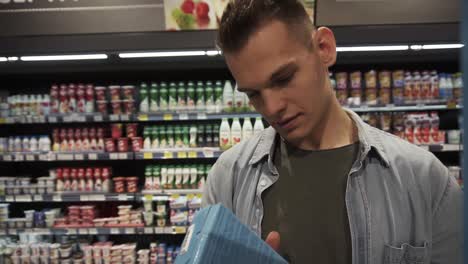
pixel 129 230
pixel 72 231
pixel 19 157
pixel 92 231
pixel 83 231
pixel 38 198
pixel 30 157
pixel 114 231
pixel 23 198
pixel 148 230
pixel 192 154
pixel 125 117
pixel 114 118
pixel 148 197
pixel 201 116
pixel 7 158
pixel 79 156
pixel 182 154
pixel 92 156
pixel 64 156
pixel 168 155
pixel 68 119
pixel 147 155
pixel 183 117
pixel 143 117
pixel 123 156
pixel 180 230
pixel 159 230
pixel 80 118
pixel 97 118
pixel 52 119
pixel 168 117
pixel 114 156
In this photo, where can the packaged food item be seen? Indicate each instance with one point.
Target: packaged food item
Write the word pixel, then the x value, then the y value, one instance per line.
pixel 426 93
pixel 128 92
pixel 128 106
pixel 54 99
pixel 137 144
pixel 408 92
pixel 435 85
pixel 116 107
pixel 89 106
pixel 122 145
pixel 228 97
pixel 102 106
pixel 417 86
pixel 119 184
pixel 144 106
pixel 100 92
pixel 132 184
pixel 356 88
pixel 410 124
pixel 398 87
pixel 342 87
pixel 116 131
pixel 385 87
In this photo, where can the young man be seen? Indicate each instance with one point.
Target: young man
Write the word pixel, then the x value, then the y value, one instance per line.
pixel 319 185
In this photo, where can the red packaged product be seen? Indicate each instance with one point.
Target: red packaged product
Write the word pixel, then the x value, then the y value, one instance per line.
pixel 102 106
pixel 92 133
pixel 63 99
pixel 409 129
pixel 54 99
pixel 128 92
pixel 119 184
pixel 85 132
pixel 116 107
pixel 116 131
pixel 122 145
pixel 71 93
pixel 128 106
pixel 100 132
pixel 106 172
pixel 97 173
pixel 114 91
pixel 89 179
pixel 89 92
pixel 110 145
pixel 81 99
pixel 131 130
pixel 55 133
pixel 132 184
pixel 70 134
pixel 137 144
pixel 100 93
pixel 73 210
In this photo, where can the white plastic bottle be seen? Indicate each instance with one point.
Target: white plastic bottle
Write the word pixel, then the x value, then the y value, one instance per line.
pixel 224 135
pixel 238 100
pixel 236 131
pixel 258 126
pixel 449 91
pixel 247 129
pixel 228 95
pixel 33 144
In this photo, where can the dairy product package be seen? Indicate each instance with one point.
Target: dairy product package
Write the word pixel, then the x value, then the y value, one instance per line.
pixel 217 236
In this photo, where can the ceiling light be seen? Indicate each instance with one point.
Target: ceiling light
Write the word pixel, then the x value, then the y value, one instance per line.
pixel 65 57
pixel 12 58
pixel 3 59
pixel 160 54
pixel 443 46
pixel 372 48
pixel 213 52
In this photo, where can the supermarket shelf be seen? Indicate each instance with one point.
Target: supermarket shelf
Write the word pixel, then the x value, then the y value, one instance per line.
pixel 192 153
pixel 443 148
pixel 402 108
pixel 192 116
pixel 171 230
pixel 155 117
pixel 57 156
pixel 68 197
pixel 164 195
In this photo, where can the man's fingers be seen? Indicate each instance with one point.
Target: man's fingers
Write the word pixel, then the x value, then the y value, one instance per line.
pixel 273 239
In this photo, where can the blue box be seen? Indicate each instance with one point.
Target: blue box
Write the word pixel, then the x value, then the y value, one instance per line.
pixel 217 236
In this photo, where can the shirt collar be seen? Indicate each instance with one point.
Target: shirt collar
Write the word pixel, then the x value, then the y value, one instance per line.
pixel 368 137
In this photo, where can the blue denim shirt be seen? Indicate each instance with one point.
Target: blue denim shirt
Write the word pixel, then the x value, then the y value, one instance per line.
pixel 403 206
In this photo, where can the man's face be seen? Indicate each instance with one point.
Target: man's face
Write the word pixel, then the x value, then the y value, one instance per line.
pixel 285 80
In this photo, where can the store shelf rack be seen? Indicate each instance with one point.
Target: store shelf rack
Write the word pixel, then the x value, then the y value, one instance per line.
pixel 196 153
pixel 170 230
pixel 193 116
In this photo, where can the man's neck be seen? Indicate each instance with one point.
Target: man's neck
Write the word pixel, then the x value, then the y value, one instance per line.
pixel 336 129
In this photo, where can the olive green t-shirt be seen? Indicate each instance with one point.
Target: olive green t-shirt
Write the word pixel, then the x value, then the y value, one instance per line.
pixel 307 204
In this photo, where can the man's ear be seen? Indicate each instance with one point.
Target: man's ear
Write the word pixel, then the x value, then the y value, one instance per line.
pixel 325 45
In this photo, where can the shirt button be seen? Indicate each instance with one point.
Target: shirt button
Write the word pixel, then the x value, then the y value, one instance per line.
pixel 257 211
pixel 262 183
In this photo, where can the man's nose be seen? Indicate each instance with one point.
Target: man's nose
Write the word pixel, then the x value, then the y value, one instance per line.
pixel 273 102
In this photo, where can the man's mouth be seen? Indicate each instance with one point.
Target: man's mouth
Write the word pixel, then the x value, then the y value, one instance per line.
pixel 287 123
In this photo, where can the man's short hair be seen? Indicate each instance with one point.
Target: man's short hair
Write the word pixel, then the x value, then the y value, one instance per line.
pixel 241 18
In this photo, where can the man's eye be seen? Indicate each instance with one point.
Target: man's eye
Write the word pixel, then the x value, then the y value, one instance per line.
pixel 284 80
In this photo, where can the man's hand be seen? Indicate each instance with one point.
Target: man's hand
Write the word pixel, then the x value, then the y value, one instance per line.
pixel 273 240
